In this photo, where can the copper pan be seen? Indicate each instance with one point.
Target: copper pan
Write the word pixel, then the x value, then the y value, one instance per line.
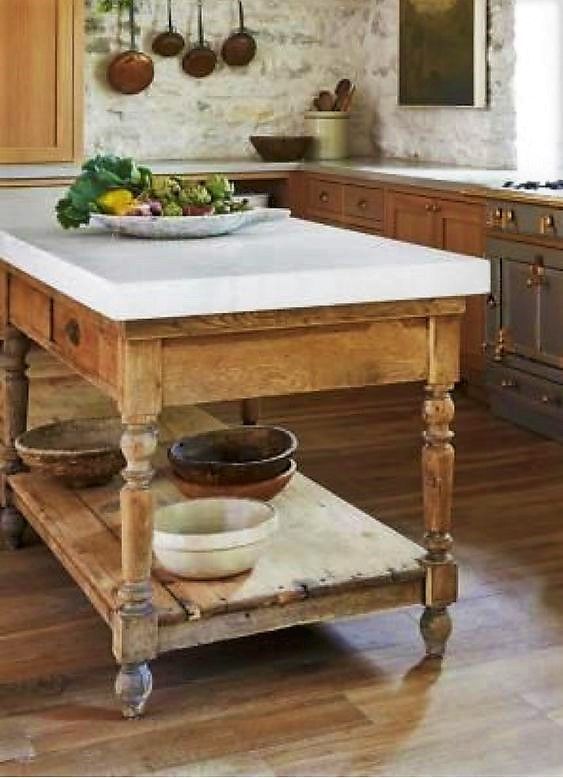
pixel 131 71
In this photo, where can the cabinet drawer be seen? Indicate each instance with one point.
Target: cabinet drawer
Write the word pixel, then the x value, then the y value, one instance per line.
pixel 324 197
pixel 87 342
pixel 363 203
pixel 30 309
pixel 526 400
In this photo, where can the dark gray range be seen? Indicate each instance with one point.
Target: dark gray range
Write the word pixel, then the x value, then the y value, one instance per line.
pixel 525 314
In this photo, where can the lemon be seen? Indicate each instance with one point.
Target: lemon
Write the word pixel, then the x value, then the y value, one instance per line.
pixel 116 202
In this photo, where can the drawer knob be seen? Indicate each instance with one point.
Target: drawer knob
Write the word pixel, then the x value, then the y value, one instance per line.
pixel 429 207
pixel 362 205
pixel 72 330
pixel 546 399
pixel 323 197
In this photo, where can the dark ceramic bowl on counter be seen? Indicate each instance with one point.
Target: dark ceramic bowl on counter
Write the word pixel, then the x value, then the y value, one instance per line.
pixel 281 148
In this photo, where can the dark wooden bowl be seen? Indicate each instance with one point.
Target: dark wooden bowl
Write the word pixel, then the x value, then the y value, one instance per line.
pixel 234 455
pixel 281 148
pixel 82 452
pixel 260 490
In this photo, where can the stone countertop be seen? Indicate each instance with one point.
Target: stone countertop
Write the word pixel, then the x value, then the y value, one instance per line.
pixel 295 264
pixel 462 180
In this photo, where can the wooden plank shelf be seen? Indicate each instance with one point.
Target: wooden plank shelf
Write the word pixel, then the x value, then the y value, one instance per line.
pixel 327 555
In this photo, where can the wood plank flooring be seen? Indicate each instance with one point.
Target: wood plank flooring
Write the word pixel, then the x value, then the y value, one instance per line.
pixel 346 699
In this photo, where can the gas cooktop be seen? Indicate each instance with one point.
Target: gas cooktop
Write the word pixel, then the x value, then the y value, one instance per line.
pixel 536 186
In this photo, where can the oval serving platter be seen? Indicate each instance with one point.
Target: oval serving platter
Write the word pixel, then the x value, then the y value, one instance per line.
pixel 185 227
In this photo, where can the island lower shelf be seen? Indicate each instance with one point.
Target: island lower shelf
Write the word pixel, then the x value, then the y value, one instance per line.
pixel 329 560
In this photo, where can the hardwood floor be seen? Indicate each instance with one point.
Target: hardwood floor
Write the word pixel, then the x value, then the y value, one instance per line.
pixel 349 698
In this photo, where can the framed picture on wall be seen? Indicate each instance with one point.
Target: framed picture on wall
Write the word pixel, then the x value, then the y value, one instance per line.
pixel 443 53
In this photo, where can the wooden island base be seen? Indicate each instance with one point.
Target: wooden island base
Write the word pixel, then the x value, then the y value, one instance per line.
pixel 329 559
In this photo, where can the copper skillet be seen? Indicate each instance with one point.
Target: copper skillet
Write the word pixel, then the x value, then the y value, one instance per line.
pixel 200 60
pixel 131 71
pixel 240 47
pixel 168 43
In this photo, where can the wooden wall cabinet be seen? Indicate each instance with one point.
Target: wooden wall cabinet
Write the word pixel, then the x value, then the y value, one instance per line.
pixel 41 45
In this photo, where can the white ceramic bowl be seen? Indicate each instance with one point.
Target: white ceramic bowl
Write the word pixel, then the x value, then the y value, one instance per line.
pixel 212 537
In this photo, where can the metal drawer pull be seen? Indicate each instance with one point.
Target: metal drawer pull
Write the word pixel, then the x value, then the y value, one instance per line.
pixel 547 224
pixel 537 273
pixel 510 216
pixel 546 399
pixel 509 383
pixel 72 330
pixel 363 204
pixel 323 197
pixel 429 207
pixel 492 301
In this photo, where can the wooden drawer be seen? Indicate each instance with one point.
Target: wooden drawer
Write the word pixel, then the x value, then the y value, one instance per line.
pixel 85 340
pixel 30 309
pixel 324 197
pixel 363 204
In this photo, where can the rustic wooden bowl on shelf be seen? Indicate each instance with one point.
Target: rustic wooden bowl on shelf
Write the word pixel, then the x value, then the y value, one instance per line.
pixel 234 455
pixel 260 490
pixel 81 453
pixel 281 148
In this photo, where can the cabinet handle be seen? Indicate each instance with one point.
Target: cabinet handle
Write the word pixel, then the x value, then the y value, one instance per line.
pixel 546 399
pixel 72 330
pixel 510 216
pixel 492 301
pixel 508 383
pixel 429 207
pixel 323 197
pixel 437 208
pixel 537 273
pixel 363 204
pixel 547 224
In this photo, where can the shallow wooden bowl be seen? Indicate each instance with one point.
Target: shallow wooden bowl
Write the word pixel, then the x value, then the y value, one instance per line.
pixel 82 452
pixel 234 455
pixel 281 148
pixel 261 490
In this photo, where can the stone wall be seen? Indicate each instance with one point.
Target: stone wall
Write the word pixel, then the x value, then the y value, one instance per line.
pixel 302 47
pixel 472 136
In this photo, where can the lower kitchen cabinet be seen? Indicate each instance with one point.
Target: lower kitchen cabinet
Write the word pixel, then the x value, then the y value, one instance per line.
pixel 410 218
pixel 451 225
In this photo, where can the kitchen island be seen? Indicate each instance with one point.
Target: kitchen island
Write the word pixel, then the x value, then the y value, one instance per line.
pixel 274 309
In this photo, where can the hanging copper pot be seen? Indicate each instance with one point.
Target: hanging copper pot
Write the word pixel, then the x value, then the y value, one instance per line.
pixel 131 71
pixel 240 47
pixel 200 61
pixel 168 43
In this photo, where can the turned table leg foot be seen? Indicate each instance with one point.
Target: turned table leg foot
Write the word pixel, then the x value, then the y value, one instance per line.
pixel 250 411
pixel 133 687
pixel 435 628
pixel 13 527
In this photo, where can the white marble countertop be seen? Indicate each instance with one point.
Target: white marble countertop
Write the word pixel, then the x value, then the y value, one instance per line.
pixel 292 264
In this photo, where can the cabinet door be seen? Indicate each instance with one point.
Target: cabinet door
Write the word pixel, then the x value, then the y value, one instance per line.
pixel 37 79
pixel 550 317
pixel 410 218
pixel 460 228
pixel 519 309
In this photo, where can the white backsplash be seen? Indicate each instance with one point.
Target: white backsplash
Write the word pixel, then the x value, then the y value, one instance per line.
pixel 302 47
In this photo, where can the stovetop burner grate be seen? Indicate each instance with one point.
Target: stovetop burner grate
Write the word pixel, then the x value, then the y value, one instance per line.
pixel 533 185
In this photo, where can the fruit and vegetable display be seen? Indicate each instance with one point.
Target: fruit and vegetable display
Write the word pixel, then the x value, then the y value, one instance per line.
pixel 117 186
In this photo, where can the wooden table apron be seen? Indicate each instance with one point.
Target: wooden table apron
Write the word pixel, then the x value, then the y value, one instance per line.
pixel 147 365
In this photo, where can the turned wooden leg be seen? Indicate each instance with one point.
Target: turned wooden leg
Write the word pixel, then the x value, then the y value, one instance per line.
pixel 135 627
pixel 15 395
pixel 250 411
pixel 437 480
